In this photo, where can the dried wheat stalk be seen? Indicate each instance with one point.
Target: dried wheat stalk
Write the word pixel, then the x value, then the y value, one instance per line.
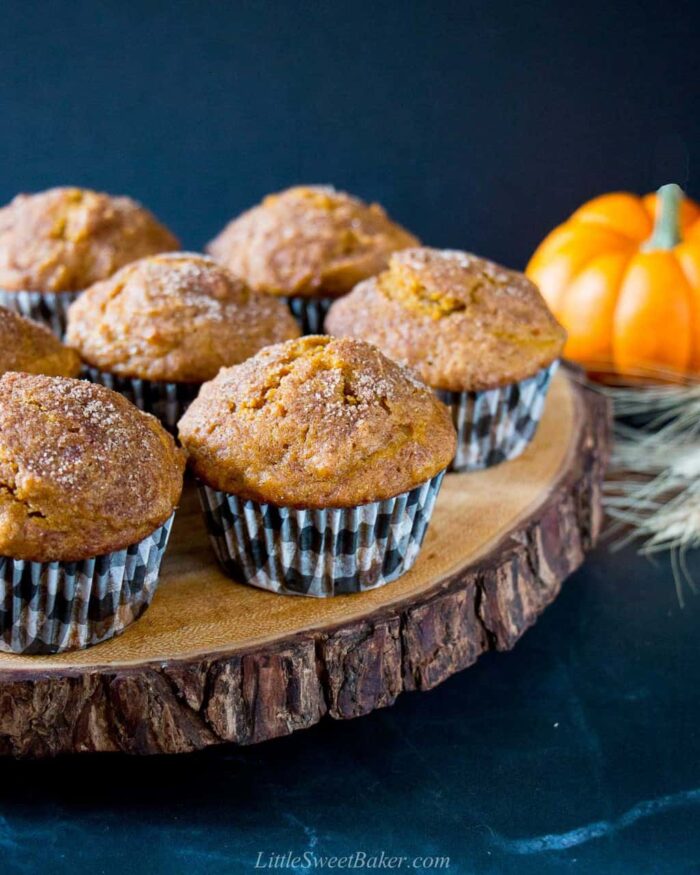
pixel 652 493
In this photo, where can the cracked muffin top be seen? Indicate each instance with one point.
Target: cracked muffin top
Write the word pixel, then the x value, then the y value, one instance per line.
pixel 27 346
pixel 65 239
pixel 310 242
pixel 317 422
pixel 82 471
pixel 178 317
pixel 461 322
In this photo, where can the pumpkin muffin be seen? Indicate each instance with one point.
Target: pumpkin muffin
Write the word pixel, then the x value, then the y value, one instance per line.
pixel 88 488
pixel 27 346
pixel 55 243
pixel 310 245
pixel 477 332
pixel 162 326
pixel 319 461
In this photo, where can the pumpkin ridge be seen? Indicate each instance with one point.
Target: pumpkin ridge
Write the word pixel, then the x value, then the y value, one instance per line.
pixel 650 327
pixel 620 213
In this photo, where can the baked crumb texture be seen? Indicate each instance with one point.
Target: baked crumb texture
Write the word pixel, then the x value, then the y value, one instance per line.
pixel 177 317
pixel 317 422
pixel 461 322
pixel 82 471
pixel 66 239
pixel 309 241
pixel 27 346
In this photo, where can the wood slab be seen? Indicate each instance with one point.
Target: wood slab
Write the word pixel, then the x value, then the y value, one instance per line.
pixel 213 661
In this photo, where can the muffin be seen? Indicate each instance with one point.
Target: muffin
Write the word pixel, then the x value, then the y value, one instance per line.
pixel 479 334
pixel 88 489
pixel 55 243
pixel 162 326
pixel 319 461
pixel 27 346
pixel 309 245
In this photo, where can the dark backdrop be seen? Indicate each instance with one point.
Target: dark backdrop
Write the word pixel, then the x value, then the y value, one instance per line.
pixel 478 124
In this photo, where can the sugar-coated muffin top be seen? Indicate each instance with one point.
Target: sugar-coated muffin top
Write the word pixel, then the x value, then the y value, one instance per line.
pixel 317 422
pixel 65 239
pixel 82 471
pixel 309 241
pixel 461 322
pixel 27 346
pixel 178 317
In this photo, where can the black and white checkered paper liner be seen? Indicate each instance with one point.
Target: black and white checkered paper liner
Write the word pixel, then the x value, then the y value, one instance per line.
pixel 319 552
pixel 497 424
pixel 310 313
pixel 51 607
pixel 49 308
pixel 167 401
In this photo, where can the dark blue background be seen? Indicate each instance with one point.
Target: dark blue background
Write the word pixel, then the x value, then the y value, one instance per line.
pixel 478 125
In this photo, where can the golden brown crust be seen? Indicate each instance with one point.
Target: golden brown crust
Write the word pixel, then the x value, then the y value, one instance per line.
pixel 461 322
pixel 309 241
pixel 27 346
pixel 82 471
pixel 317 422
pixel 66 239
pixel 178 317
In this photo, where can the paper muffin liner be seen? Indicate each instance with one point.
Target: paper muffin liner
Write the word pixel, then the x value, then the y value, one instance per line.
pixel 167 401
pixel 496 424
pixel 318 552
pixel 49 308
pixel 310 313
pixel 51 607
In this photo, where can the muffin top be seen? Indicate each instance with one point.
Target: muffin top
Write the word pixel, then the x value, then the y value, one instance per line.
pixel 309 241
pixel 27 346
pixel 317 422
pixel 82 471
pixel 461 322
pixel 177 317
pixel 65 239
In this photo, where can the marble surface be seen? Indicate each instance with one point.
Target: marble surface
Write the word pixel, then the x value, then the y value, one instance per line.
pixel 578 751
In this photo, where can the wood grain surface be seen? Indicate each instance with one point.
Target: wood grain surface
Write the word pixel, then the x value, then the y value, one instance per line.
pixel 214 661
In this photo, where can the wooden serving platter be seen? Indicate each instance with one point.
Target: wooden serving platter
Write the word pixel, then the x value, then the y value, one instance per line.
pixel 214 661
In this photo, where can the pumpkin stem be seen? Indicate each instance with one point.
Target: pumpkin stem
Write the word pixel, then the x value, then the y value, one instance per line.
pixel 667 229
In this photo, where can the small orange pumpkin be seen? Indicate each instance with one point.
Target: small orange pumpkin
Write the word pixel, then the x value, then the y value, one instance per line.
pixel 622 275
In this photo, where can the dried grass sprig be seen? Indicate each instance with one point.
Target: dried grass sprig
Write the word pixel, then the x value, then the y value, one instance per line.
pixel 652 493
